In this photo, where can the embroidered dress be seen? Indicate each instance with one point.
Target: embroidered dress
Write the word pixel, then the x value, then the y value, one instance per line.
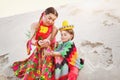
pixel 69 58
pixel 37 66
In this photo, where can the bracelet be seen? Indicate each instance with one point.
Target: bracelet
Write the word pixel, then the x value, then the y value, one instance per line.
pixel 36 43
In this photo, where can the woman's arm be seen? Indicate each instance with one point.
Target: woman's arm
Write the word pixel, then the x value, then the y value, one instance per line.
pixel 32 40
pixel 53 34
pixel 47 42
pixel 34 28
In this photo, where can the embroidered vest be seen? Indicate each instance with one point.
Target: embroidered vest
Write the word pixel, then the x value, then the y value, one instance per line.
pixel 43 31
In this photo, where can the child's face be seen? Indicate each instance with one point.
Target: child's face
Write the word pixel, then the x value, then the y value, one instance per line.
pixel 65 36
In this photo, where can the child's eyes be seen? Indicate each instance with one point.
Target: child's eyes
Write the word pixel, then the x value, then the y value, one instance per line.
pixel 49 17
pixel 63 35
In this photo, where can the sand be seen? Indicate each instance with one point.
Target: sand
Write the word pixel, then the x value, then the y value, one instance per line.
pixel 97 37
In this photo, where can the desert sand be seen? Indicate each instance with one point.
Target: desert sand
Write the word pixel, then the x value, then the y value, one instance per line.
pixel 97 37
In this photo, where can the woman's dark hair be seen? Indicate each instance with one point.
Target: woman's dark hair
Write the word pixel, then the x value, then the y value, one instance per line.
pixel 48 11
pixel 51 10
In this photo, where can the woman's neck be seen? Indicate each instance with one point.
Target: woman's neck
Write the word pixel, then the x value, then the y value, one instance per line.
pixel 43 23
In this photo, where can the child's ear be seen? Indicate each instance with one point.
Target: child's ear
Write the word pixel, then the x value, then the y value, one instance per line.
pixel 71 37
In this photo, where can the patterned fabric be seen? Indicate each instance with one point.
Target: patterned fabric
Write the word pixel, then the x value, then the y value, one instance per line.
pixel 73 72
pixel 43 31
pixel 69 57
pixel 37 66
pixel 61 68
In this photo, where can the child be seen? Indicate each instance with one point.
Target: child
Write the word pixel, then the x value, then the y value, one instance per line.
pixel 67 62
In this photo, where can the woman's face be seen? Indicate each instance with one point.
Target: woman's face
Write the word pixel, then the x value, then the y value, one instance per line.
pixel 65 36
pixel 49 19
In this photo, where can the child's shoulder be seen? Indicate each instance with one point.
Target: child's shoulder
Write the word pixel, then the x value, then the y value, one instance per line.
pixel 66 43
pixel 69 43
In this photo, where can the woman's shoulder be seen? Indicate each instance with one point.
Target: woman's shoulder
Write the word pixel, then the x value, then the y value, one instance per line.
pixel 35 25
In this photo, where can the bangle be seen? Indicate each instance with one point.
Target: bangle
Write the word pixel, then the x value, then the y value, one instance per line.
pixel 36 43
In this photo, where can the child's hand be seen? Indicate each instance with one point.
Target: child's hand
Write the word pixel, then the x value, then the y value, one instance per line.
pixel 46 42
pixel 47 52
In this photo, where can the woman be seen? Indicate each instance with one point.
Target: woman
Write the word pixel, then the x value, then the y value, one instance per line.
pixel 38 66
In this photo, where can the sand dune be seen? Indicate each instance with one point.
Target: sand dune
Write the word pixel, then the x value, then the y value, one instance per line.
pixel 97 39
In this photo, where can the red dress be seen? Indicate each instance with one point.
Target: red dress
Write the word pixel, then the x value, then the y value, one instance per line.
pixel 37 66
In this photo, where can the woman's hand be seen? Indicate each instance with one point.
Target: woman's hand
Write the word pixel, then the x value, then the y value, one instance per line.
pixel 44 43
pixel 40 42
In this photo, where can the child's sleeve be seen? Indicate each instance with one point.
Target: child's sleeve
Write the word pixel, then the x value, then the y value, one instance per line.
pixel 64 50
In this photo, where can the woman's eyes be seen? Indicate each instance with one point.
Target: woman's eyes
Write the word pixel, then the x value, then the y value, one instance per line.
pixel 51 19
